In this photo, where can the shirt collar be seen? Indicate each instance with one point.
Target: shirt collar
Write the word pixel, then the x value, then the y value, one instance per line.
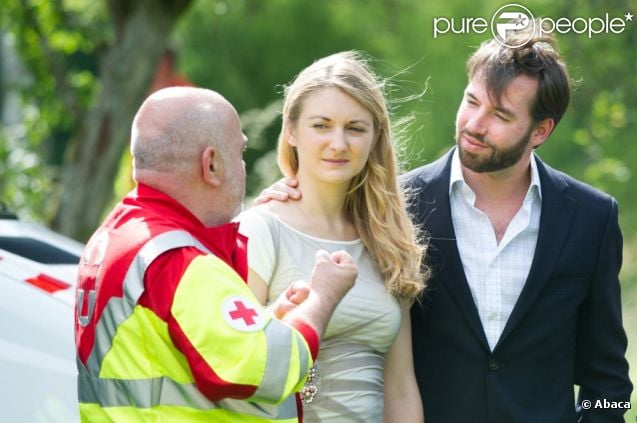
pixel 224 241
pixel 456 177
pixel 535 176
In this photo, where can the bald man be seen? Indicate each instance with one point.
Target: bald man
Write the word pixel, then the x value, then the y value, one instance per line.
pixel 166 327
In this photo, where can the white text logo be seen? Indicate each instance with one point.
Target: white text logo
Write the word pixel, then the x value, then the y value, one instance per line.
pixel 515 17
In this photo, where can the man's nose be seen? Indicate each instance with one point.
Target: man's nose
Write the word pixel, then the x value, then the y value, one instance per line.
pixel 478 122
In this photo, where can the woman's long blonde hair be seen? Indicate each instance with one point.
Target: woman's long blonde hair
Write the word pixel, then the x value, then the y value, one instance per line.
pixel 374 201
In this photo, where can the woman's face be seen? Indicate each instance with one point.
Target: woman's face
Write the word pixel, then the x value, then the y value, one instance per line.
pixel 333 137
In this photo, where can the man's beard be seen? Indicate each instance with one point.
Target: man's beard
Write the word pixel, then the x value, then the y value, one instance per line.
pixel 498 159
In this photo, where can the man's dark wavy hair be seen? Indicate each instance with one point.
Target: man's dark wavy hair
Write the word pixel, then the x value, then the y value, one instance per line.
pixel 537 58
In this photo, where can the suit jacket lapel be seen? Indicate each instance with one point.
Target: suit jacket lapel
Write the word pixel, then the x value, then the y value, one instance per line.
pixel 445 258
pixel 557 210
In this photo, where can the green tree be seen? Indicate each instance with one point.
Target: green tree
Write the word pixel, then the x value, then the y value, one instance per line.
pixel 92 64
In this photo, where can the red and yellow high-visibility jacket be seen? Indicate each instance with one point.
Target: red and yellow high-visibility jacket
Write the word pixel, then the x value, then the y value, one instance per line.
pixel 167 329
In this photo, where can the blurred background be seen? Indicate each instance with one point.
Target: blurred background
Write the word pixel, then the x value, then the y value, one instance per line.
pixel 73 73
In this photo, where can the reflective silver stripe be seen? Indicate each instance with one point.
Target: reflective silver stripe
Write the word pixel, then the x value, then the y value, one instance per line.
pixel 119 309
pixel 303 358
pixel 84 320
pixel 277 365
pixel 285 410
pixel 147 393
pixel 141 393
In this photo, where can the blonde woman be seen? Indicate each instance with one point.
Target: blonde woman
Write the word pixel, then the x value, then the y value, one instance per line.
pixel 336 140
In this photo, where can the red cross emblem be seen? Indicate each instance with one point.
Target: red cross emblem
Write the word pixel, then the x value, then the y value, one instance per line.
pixel 243 312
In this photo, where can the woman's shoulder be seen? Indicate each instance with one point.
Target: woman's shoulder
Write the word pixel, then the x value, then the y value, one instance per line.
pixel 262 212
pixel 278 209
pixel 256 220
pixel 270 213
pixel 271 209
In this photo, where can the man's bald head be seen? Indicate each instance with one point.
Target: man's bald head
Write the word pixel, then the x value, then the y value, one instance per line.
pixel 174 125
pixel 188 144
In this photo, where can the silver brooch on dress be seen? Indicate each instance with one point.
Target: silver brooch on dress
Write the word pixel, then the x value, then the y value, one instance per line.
pixel 310 388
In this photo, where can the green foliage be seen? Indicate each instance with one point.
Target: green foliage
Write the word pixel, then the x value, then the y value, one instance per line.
pixel 56 42
pixel 248 50
pixel 593 142
pixel 24 182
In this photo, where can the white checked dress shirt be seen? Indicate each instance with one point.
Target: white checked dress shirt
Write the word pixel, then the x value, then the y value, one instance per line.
pixel 496 273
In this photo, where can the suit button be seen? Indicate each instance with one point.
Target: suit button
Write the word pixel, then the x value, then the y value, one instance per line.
pixel 494 365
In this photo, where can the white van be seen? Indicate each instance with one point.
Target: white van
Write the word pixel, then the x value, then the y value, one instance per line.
pixel 37 349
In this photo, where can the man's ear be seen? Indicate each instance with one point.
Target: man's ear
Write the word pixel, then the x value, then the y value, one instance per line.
pixel 542 131
pixel 211 166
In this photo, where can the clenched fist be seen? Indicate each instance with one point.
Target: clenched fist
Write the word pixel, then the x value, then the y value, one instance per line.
pixel 334 274
pixel 291 298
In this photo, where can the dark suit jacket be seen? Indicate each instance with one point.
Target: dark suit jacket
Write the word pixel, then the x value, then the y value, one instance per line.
pixel 565 329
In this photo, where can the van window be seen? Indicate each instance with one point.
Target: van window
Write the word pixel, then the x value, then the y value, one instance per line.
pixel 37 250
